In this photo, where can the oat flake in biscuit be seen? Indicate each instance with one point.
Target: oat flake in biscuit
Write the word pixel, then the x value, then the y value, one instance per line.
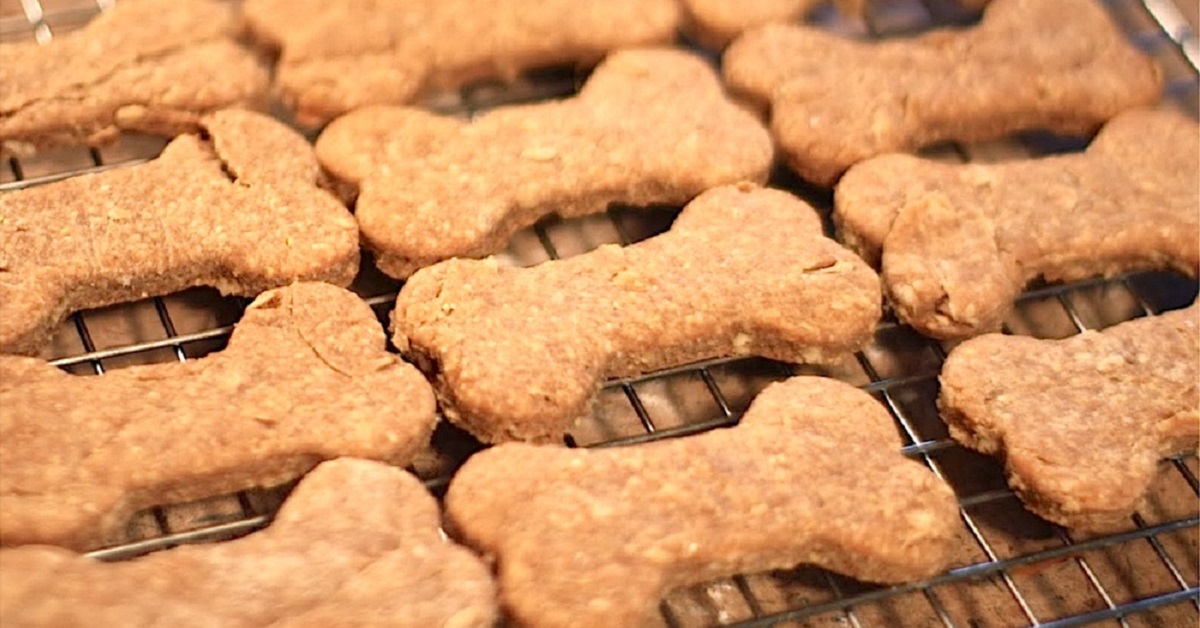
pixel 520 353
pixel 355 544
pixel 812 474
pixel 153 66
pixel 959 242
pixel 306 377
pixel 237 208
pixel 339 56
pixel 651 126
pixel 1057 65
pixel 1082 422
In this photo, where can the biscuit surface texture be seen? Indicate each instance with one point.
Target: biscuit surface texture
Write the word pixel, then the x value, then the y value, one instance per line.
pixel 812 474
pixel 743 271
pixel 144 65
pixel 341 56
pixel 356 544
pixel 651 126
pixel 238 209
pixel 959 242
pixel 1061 66
pixel 305 377
pixel 1080 422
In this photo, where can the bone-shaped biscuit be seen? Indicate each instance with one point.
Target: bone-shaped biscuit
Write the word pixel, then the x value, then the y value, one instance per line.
pixel 649 127
pixel 959 242
pixel 342 56
pixel 521 353
pixel 238 209
pixel 812 474
pixel 306 377
pixel 143 65
pixel 355 544
pixel 1080 422
pixel 1061 66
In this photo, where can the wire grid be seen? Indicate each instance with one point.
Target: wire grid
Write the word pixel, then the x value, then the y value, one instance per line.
pixel 899 368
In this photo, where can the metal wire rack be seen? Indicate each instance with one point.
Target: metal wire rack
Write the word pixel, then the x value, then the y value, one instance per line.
pixel 1013 569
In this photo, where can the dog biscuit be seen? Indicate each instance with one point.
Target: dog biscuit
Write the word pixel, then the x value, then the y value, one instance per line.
pixel 959 242
pixel 356 544
pixel 649 127
pixel 1060 66
pixel 519 354
pixel 152 66
pixel 340 56
pixel 237 208
pixel 305 377
pixel 812 474
pixel 1080 422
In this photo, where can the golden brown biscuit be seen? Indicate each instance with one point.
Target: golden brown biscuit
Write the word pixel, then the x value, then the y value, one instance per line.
pixel 306 377
pixel 1080 422
pixel 521 353
pixel 339 56
pixel 356 544
pixel 959 242
pixel 152 66
pixel 596 537
pixel 1058 65
pixel 237 208
pixel 649 127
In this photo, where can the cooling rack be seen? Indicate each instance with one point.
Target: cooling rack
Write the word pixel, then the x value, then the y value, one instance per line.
pixel 1011 569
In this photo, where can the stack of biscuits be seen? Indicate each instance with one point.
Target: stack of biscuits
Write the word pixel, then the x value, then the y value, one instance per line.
pixel 309 156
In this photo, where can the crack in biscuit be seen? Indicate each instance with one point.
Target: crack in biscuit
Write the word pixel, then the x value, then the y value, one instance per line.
pixel 1080 422
pixel 957 243
pixel 135 67
pixel 302 380
pixel 1061 66
pixel 650 127
pixel 356 543
pixel 521 353
pixel 596 537
pixel 338 57
pixel 241 212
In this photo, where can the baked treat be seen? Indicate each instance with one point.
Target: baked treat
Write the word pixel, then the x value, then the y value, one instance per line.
pixel 152 66
pixel 959 242
pixel 520 353
pixel 306 377
pixel 356 543
pixel 596 537
pixel 649 127
pixel 335 57
pixel 1061 66
pixel 237 208
pixel 1080 422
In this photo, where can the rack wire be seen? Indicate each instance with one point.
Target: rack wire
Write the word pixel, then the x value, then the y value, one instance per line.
pixel 1013 569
